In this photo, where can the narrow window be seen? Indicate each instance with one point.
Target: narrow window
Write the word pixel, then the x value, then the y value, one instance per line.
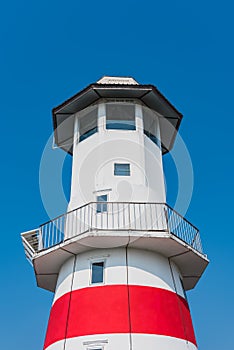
pixel 121 169
pixel 102 203
pixel 120 116
pixel 87 123
pixel 150 125
pixel 97 272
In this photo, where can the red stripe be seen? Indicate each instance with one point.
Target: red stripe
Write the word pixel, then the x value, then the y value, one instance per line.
pixel 104 309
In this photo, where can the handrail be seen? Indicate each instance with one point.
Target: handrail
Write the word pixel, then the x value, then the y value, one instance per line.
pixel 112 216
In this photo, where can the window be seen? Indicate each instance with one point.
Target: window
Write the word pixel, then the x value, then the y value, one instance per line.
pixel 95 345
pixel 88 123
pixel 121 169
pixel 102 203
pixel 97 273
pixel 120 116
pixel 150 125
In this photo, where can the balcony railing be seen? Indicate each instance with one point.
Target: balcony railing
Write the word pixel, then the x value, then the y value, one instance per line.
pixel 111 216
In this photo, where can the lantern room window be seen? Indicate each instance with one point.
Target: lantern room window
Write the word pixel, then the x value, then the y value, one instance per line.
pixel 150 125
pixel 120 116
pixel 88 123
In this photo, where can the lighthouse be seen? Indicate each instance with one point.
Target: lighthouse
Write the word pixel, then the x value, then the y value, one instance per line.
pixel 120 260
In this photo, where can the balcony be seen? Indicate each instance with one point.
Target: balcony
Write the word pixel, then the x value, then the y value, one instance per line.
pixel 152 226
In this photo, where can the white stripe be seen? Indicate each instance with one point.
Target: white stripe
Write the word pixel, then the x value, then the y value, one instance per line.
pixel 145 268
pixel 122 341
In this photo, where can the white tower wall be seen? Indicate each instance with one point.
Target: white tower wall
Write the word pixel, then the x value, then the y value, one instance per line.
pixel 94 158
pixel 143 268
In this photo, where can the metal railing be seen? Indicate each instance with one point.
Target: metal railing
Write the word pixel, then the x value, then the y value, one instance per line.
pixel 111 216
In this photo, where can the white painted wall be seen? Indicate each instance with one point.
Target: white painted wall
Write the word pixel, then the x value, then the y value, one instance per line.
pixel 93 165
pixel 145 268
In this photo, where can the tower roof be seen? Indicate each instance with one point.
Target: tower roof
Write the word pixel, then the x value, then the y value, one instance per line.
pixel 116 87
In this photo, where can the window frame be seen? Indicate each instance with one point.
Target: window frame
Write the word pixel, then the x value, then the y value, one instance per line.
pixel 101 204
pixel 131 125
pixel 150 125
pixel 116 173
pixel 82 115
pixel 92 262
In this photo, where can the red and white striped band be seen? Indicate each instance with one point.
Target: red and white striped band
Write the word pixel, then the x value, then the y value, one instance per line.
pixel 119 309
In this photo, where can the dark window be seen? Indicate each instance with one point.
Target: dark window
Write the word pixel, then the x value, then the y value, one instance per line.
pixel 87 123
pixel 121 169
pixel 120 116
pixel 150 125
pixel 101 203
pixel 97 272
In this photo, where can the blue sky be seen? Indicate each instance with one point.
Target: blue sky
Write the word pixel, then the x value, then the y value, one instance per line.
pixel 52 49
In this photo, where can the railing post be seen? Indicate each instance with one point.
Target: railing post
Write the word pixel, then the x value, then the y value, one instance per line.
pixel 129 217
pixel 40 239
pixel 166 217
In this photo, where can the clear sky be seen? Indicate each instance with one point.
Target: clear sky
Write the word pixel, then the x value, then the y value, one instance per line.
pixel 51 50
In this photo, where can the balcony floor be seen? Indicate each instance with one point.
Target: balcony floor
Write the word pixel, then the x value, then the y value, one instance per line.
pixel 190 262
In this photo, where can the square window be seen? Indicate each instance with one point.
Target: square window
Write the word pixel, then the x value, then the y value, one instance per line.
pixel 120 116
pixel 102 203
pixel 121 169
pixel 97 271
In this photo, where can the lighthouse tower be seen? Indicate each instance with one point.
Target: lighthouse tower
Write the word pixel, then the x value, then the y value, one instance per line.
pixel 120 259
